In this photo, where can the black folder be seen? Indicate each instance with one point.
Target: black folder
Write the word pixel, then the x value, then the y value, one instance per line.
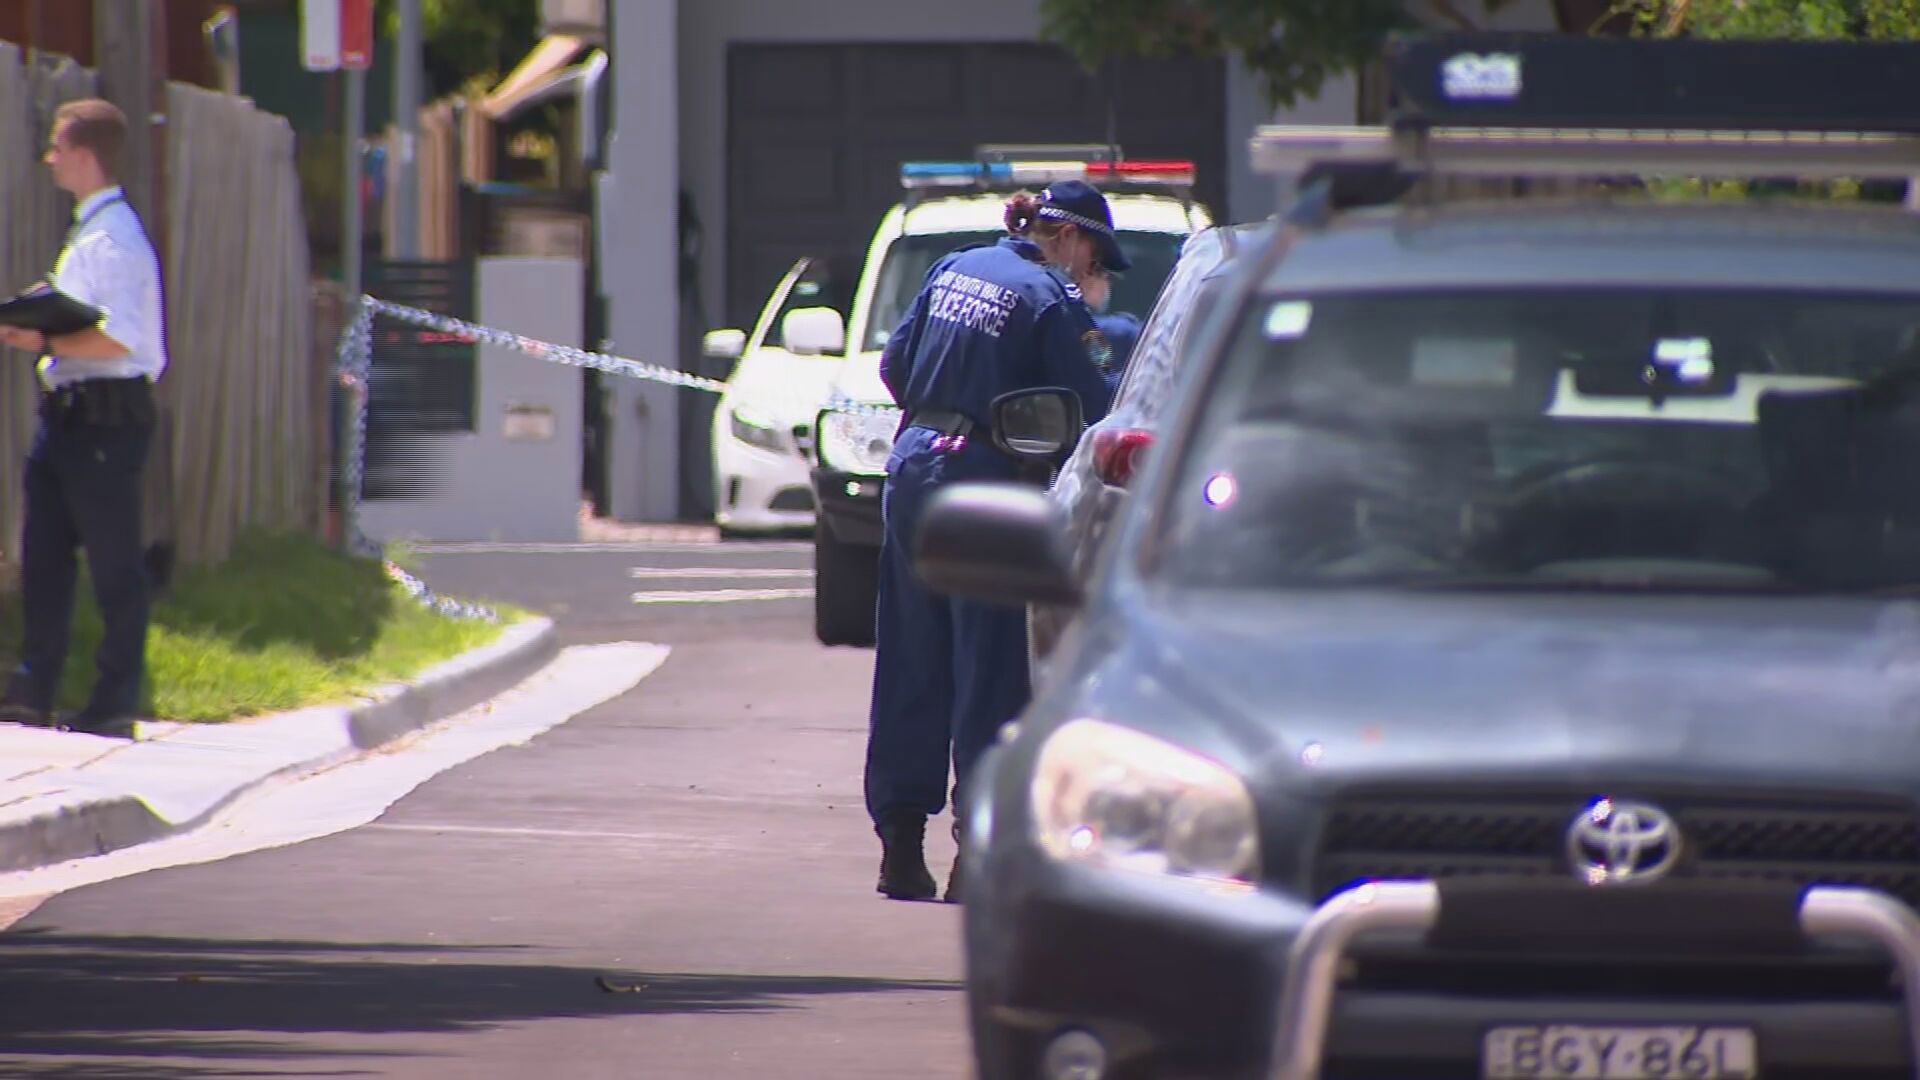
pixel 49 311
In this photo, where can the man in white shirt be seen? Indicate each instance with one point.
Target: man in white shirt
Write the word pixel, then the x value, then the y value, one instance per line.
pixel 83 476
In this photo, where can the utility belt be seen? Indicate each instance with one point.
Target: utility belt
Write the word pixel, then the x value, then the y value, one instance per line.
pixel 952 427
pixel 100 403
pixel 944 421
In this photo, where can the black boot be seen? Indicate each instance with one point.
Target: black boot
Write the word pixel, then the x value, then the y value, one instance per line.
pixel 953 876
pixel 19 712
pixel 903 859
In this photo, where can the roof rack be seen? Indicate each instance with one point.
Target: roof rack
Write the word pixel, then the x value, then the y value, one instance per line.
pixel 1532 104
pixel 1543 152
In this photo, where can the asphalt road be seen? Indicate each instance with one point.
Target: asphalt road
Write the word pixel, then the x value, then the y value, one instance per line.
pixel 678 883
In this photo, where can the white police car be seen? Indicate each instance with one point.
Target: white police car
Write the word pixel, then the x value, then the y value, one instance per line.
pixel 950 204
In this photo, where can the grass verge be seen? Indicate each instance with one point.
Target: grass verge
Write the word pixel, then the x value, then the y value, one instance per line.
pixel 284 623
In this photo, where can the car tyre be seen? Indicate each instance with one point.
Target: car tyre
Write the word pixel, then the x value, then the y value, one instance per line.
pixel 846 590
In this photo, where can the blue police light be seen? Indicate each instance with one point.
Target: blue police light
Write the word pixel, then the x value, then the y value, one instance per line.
pixel 935 171
pixel 915 174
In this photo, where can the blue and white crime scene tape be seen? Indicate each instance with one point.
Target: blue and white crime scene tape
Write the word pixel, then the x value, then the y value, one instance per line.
pixel 354 364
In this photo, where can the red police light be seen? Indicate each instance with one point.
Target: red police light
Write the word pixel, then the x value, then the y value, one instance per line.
pixel 1116 453
pixel 1165 172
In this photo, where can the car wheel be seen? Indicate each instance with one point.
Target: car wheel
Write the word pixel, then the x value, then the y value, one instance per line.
pixel 846 589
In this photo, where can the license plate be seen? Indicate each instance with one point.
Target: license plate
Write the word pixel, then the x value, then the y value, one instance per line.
pixel 1567 1052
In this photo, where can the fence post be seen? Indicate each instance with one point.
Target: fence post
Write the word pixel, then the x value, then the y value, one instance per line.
pixel 352 237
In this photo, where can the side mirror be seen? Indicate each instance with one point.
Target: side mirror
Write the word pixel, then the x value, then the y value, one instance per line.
pixel 998 543
pixel 1043 424
pixel 724 344
pixel 814 330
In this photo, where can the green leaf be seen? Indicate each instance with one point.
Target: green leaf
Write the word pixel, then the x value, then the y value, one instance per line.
pixel 1293 46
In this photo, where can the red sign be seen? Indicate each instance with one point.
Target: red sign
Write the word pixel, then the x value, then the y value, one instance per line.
pixel 336 34
pixel 356 34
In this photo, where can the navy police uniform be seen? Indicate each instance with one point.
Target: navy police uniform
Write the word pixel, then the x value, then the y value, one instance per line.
pixel 1122 331
pixel 949 672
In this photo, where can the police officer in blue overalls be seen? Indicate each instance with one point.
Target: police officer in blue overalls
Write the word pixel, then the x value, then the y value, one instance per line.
pixel 948 672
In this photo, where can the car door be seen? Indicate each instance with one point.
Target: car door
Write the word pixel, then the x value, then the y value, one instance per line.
pixel 773 383
pixel 1084 490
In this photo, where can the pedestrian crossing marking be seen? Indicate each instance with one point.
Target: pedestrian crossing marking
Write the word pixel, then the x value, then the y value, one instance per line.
pixel 689 573
pixel 711 550
pixel 718 596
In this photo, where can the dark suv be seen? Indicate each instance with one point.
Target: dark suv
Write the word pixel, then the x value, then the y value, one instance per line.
pixel 1507 664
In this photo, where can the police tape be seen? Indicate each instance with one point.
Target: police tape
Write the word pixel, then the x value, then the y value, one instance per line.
pixel 353 362
pixel 473 333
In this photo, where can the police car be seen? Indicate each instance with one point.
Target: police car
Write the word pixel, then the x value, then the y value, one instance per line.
pixel 948 205
pixel 1504 666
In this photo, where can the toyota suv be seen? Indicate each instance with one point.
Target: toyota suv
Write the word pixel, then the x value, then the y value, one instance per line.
pixel 1507 664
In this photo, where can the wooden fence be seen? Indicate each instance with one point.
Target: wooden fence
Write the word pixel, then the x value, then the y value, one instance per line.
pixel 33 219
pixel 455 146
pixel 244 439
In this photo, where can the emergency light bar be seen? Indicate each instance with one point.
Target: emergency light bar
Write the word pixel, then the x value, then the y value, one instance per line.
pixel 1505 105
pixel 1040 165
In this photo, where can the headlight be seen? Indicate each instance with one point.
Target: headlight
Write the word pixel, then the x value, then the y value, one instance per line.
pixel 1114 797
pixel 755 430
pixel 857 442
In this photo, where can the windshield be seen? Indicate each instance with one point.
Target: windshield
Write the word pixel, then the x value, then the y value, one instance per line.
pixel 908 259
pixel 1665 439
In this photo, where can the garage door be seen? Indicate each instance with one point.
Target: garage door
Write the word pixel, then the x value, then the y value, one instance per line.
pixel 816 134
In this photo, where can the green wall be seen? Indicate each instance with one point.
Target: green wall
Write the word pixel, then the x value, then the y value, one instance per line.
pixel 270 74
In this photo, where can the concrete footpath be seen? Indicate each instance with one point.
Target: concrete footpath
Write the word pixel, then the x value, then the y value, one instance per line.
pixel 66 796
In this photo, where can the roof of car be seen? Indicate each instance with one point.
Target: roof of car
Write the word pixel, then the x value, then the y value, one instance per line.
pixel 1596 242
pixel 1241 237
pixel 973 213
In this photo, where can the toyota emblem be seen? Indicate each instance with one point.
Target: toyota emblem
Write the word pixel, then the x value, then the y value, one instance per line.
pixel 1613 842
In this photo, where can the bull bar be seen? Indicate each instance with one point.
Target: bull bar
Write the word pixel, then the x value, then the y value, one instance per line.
pixel 1826 914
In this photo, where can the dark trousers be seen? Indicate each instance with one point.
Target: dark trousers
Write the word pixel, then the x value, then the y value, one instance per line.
pixel 83 492
pixel 947 672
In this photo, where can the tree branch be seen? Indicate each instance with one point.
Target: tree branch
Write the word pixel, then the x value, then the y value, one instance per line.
pixel 1677 17
pixel 1614 11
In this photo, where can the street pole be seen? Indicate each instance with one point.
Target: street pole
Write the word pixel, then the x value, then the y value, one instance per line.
pixel 351 227
pixel 354 125
pixel 405 190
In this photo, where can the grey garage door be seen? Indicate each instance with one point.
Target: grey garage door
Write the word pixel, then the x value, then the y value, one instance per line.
pixel 816 134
